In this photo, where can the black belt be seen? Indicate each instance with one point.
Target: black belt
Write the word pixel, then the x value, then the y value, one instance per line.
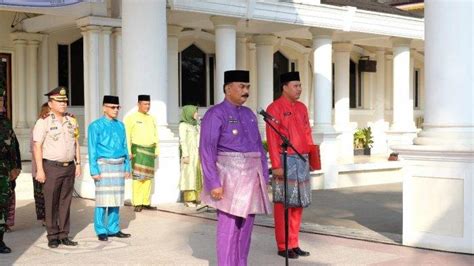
pixel 63 164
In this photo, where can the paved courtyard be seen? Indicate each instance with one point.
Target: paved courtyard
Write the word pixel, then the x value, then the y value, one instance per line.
pixel 181 236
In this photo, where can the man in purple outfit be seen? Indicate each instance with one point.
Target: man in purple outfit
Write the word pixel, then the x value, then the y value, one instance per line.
pixel 235 169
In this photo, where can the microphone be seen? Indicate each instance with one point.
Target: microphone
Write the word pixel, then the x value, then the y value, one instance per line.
pixel 267 116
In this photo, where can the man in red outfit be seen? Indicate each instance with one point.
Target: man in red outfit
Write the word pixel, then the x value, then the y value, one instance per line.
pixel 291 119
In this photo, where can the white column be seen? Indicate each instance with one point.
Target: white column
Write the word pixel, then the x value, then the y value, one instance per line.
pixel 322 83
pixel 106 62
pixel 44 55
pixel 225 35
pixel 411 98
pixel 241 53
pixel 87 92
pixel 145 67
pixel 438 188
pixel 379 126
pixel 323 131
pixel 341 107
pixel 173 78
pixel 32 81
pixel 252 100
pixel 402 110
pixel 379 104
pixel 264 44
pixel 21 74
pixel 117 38
pixel 93 80
pixel 389 82
pixel 341 84
pixel 145 71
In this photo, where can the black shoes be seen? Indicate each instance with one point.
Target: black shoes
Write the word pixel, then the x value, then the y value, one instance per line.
pixel 294 253
pixel 301 252
pixel 291 254
pixel 103 237
pixel 139 208
pixel 53 243
pixel 3 248
pixel 68 242
pixel 120 234
pixel 149 208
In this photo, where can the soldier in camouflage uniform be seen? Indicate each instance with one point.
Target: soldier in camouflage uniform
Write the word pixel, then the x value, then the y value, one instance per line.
pixel 10 167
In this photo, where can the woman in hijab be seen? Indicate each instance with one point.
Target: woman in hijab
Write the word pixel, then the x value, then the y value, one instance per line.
pixel 191 176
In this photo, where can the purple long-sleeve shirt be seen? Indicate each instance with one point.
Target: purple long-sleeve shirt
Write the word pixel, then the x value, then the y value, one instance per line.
pixel 228 128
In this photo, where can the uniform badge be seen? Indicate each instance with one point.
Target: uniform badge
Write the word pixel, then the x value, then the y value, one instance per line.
pixel 62 92
pixel 235 132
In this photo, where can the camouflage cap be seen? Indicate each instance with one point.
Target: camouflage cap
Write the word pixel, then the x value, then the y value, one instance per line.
pixel 58 94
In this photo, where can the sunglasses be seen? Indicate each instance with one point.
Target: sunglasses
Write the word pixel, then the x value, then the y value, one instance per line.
pixel 115 107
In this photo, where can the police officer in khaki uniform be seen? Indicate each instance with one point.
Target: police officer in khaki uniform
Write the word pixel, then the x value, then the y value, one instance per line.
pixel 56 151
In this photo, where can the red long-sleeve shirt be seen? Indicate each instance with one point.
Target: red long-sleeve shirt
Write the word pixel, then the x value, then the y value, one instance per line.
pixel 293 123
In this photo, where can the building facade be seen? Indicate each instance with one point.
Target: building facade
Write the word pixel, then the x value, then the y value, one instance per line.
pixel 178 50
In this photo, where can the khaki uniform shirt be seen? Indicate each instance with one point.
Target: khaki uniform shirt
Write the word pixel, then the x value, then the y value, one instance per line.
pixel 58 138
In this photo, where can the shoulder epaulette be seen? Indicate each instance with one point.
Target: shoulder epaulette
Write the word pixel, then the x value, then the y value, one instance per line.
pixel 45 115
pixel 69 114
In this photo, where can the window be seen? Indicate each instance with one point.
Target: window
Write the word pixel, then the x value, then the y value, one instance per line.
pixel 416 89
pixel 281 65
pixel 196 77
pixel 71 71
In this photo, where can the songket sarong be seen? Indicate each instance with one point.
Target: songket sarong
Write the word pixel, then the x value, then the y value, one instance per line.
pixel 143 162
pixel 243 185
pixel 109 189
pixel 299 185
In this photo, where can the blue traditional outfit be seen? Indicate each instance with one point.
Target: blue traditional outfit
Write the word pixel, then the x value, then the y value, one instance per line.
pixel 108 157
pixel 233 158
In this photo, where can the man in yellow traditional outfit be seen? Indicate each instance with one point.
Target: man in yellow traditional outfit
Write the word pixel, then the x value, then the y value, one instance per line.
pixel 142 140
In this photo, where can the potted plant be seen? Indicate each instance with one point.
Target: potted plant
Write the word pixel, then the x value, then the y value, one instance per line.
pixel 363 141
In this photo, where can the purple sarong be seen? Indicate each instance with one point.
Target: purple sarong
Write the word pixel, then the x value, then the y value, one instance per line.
pixel 243 183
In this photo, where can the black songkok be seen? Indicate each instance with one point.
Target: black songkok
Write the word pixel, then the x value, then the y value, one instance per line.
pixel 289 76
pixel 110 99
pixel 236 76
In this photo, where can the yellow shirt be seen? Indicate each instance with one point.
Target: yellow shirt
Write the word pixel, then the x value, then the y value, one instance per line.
pixel 141 130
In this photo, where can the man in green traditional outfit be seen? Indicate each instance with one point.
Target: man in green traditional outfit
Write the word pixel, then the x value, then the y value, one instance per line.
pixel 10 168
pixel 191 176
pixel 142 140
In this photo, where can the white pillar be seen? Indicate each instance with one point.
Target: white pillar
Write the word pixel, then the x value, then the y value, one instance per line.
pixel 438 188
pixel 225 35
pixel 32 82
pixel 379 104
pixel 241 53
pixel 173 78
pixel 145 67
pixel 145 71
pixel 264 44
pixel 322 83
pixel 106 62
pixel 117 39
pixel 341 84
pixel 252 100
pixel 92 100
pixel 389 83
pixel 20 55
pixel 323 131
pixel 402 110
pixel 342 52
pixel 379 126
pixel 44 55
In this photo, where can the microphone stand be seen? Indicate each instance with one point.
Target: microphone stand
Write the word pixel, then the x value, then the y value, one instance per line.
pixel 285 144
